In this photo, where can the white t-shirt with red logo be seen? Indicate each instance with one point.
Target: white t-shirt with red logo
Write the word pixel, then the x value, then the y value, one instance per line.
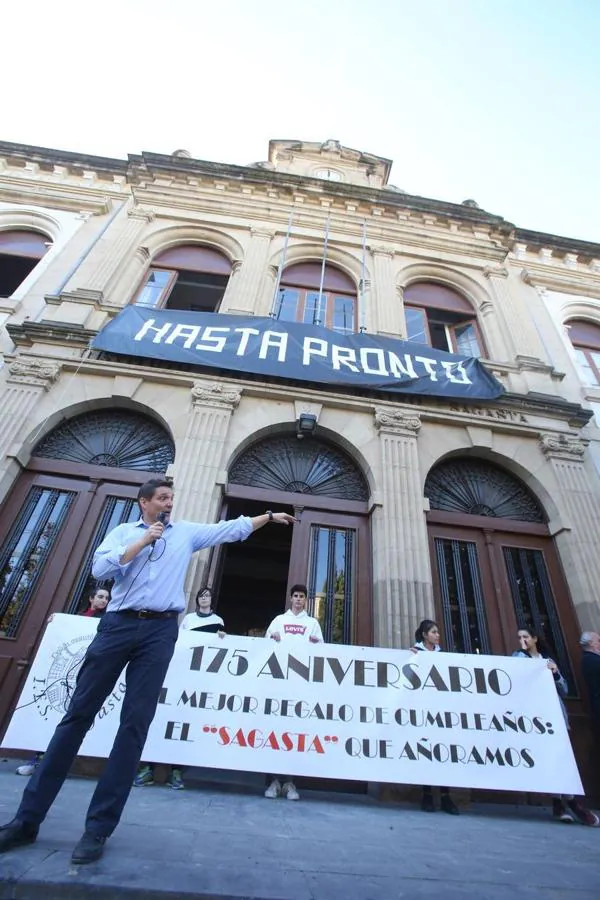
pixel 295 628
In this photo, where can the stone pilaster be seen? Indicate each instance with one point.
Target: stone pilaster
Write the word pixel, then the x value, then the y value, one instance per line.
pixel 578 500
pixel 520 337
pixel 388 307
pixel 244 290
pixel 123 244
pixel 112 254
pixel 27 380
pixel 401 565
pixel 200 460
pixel 494 335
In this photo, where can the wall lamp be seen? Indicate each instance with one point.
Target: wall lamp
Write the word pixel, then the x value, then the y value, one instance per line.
pixel 306 425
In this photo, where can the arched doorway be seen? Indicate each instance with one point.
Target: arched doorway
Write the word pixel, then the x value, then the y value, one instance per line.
pixel 328 550
pixel 81 481
pixel 495 564
pixel 495 567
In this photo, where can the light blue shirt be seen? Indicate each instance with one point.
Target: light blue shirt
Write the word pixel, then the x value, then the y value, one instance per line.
pixel 154 578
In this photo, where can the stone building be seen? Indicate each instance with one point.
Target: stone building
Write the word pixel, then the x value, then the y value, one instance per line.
pixel 480 513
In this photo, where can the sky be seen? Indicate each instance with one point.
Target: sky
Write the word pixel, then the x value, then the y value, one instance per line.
pixel 494 100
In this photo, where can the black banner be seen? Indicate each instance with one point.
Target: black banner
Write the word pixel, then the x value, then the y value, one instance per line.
pixel 292 350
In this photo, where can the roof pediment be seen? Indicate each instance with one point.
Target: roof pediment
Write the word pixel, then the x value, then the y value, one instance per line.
pixel 329 160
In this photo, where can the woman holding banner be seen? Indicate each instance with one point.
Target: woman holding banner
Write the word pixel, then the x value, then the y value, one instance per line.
pixel 427 638
pixel 565 808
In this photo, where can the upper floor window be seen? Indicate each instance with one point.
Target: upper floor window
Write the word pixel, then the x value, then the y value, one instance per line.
pixel 442 318
pixel 585 338
pixel 20 252
pixel 299 301
pixel 190 277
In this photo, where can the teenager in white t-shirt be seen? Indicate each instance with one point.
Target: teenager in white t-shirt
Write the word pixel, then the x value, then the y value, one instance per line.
pixel 204 619
pixel 292 626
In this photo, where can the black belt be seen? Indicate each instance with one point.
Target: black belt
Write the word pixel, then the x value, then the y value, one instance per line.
pixel 147 613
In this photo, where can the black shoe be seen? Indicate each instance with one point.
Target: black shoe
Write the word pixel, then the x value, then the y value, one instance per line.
pixel 427 802
pixel 89 849
pixel 449 806
pixel 17 834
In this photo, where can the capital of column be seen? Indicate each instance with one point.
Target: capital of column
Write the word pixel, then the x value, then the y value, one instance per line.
pixel 495 272
pixel 34 372
pixel 216 395
pixel 138 212
pixel 261 231
pixel 563 446
pixel 381 250
pixel 397 421
pixel 143 254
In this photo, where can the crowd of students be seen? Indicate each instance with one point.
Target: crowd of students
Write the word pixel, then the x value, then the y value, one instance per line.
pixel 295 625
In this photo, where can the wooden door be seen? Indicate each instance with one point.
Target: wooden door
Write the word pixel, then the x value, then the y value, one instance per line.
pixel 50 526
pixel 465 591
pixel 330 554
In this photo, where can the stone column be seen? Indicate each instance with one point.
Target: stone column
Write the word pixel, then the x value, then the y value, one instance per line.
pixel 520 336
pixel 244 291
pixel 200 460
pixel 578 499
pixel 401 565
pixel 389 311
pixel 27 380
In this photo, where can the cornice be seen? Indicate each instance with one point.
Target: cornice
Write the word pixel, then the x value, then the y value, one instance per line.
pixel 147 167
pixel 25 334
pixel 47 158
pixel 511 412
pixel 584 284
pixel 405 236
pixel 550 405
pixel 57 196
pixel 555 242
pixel 508 414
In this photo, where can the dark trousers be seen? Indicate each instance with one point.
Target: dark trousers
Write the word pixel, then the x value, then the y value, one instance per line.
pixel 146 647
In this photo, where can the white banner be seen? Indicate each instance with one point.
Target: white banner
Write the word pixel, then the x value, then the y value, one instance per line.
pixel 358 713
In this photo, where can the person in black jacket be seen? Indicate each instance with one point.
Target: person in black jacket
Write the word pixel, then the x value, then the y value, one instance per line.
pixel 427 638
pixel 590 667
pixel 565 808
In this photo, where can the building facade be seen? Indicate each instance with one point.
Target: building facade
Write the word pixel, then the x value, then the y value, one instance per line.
pixel 479 514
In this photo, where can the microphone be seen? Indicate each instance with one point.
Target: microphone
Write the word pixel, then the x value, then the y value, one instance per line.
pixel 162 518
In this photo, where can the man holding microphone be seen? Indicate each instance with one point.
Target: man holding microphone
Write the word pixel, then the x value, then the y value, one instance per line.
pixel 148 561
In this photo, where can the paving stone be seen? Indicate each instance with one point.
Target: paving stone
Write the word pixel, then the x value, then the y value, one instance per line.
pixel 225 842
